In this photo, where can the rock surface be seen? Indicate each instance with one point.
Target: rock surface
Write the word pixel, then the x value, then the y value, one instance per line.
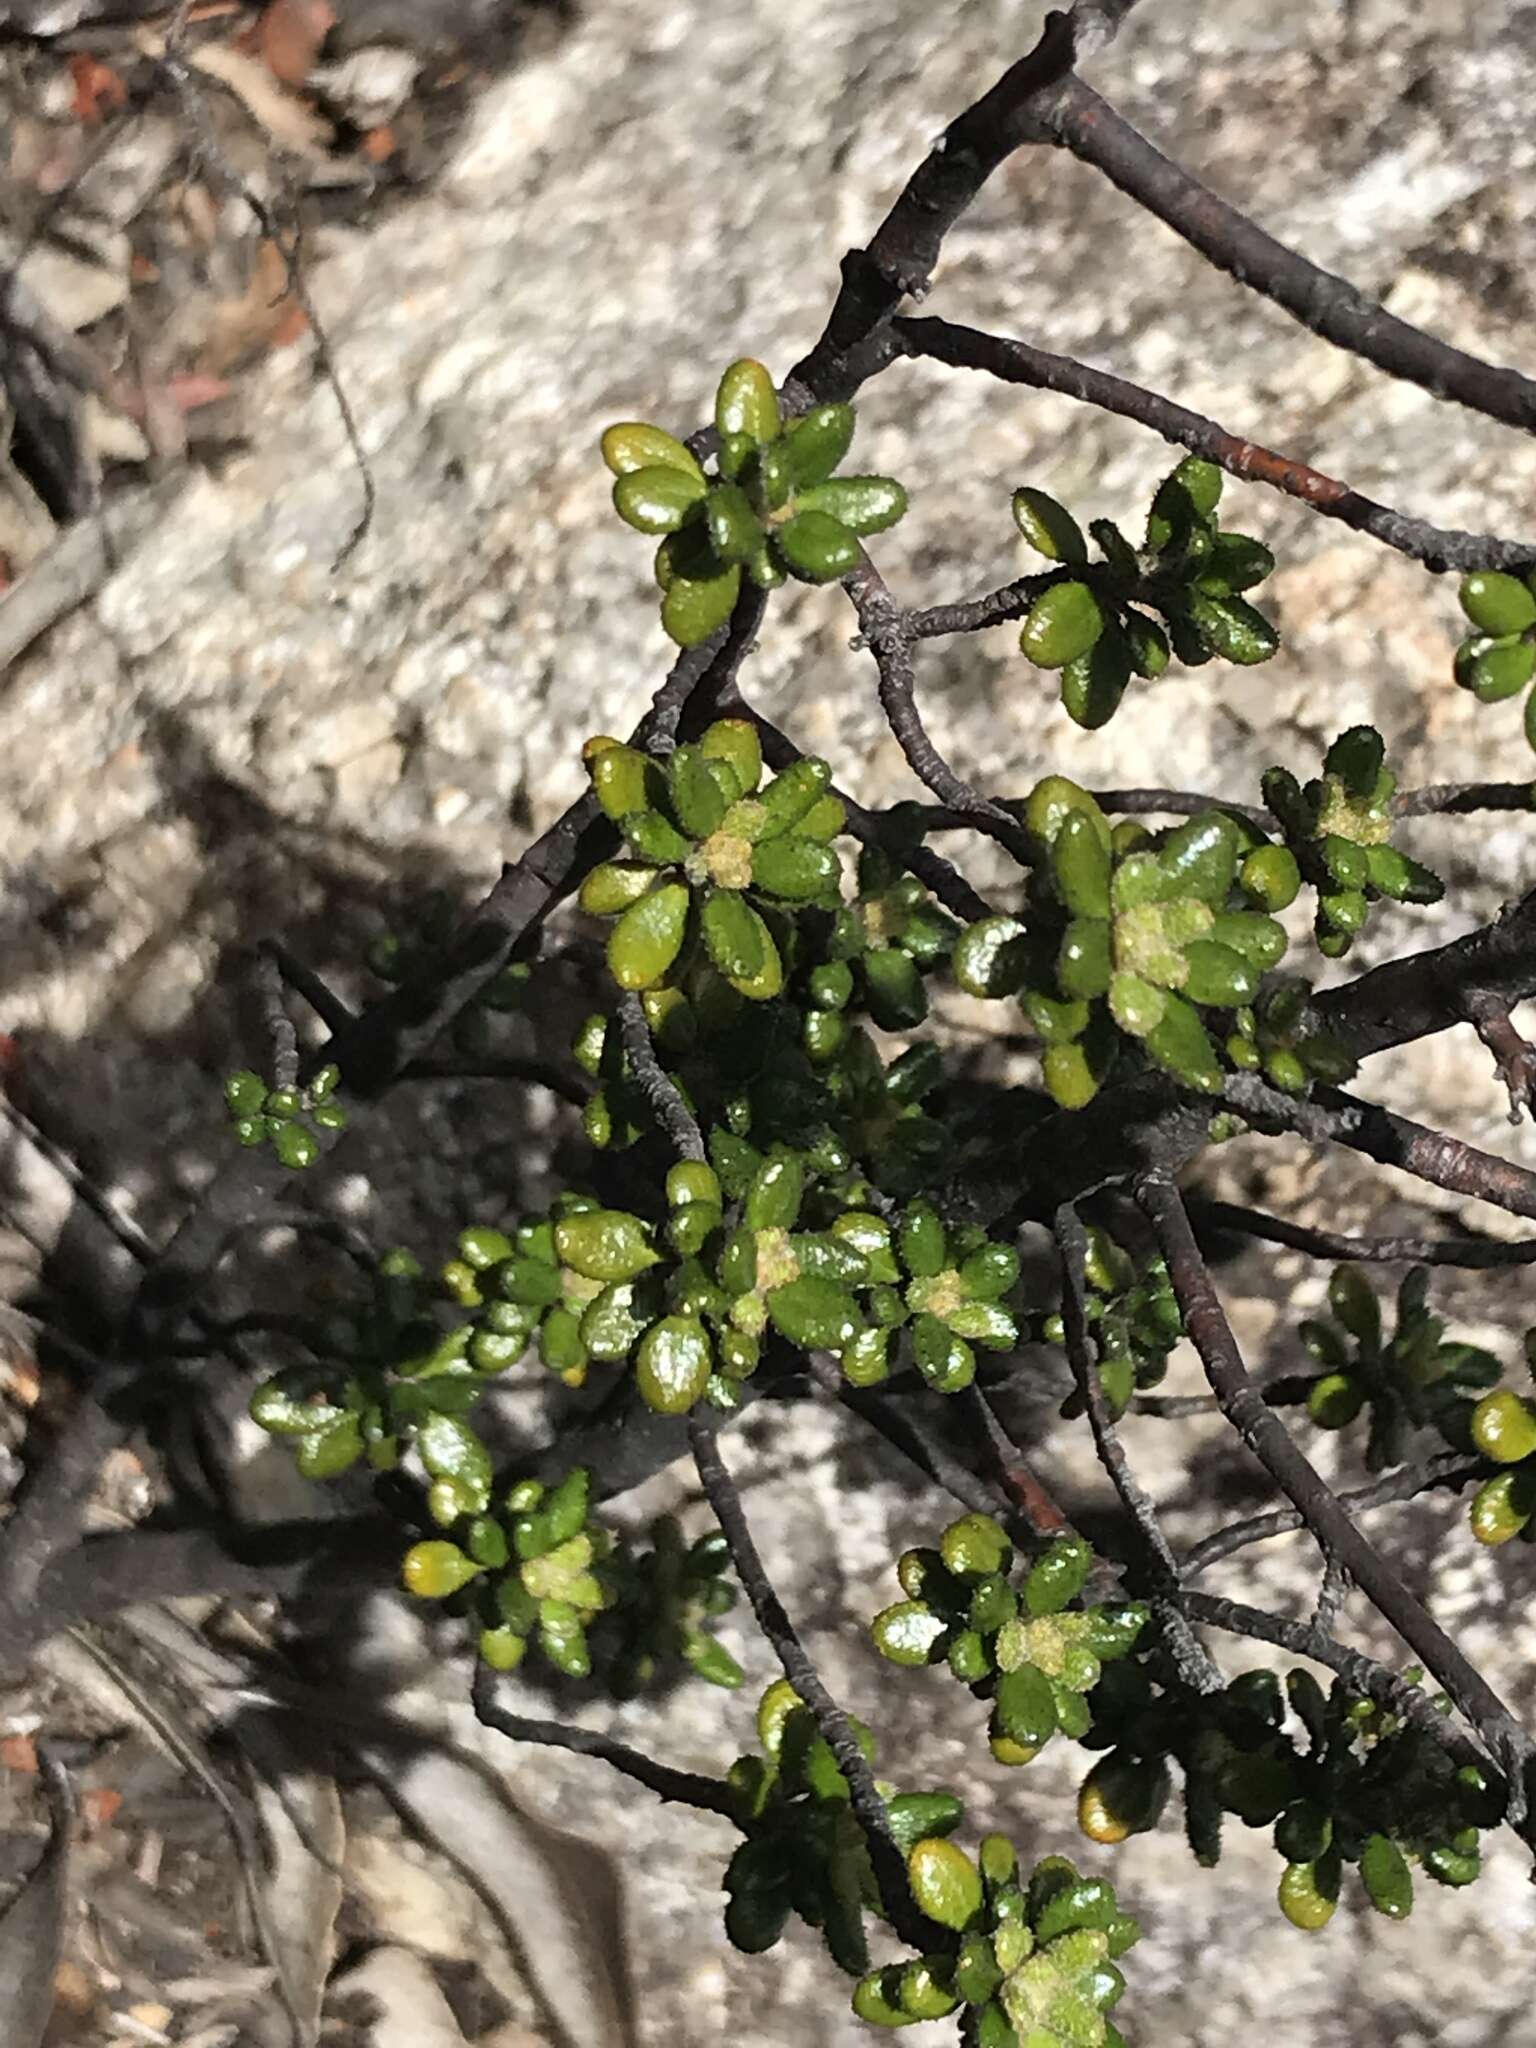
pixel 234 737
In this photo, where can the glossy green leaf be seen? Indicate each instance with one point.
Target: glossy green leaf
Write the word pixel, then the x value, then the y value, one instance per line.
pixel 1062 623
pixel 815 1314
pixel 1049 527
pixel 693 608
pixel 632 445
pixel 864 504
pixel 946 1885
pixel 816 547
pixel 673 1364
pixel 818 441
pixel 734 529
pixel 648 937
pixel 1092 684
pixel 1496 603
pixel 656 500
pixel 1080 866
pixel 746 402
pixel 795 869
pixel 735 741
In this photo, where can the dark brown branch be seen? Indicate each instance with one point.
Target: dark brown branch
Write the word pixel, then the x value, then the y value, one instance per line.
pixel 686 1788
pixel 1429 992
pixel 886 1858
pixel 321 998
pixel 1514 1057
pixel 284 1040
pixel 1326 305
pixel 1474 1252
pixel 1446 1468
pixel 1189 1657
pixel 1431 1156
pixel 1362 1674
pixel 883 626
pixel 1271 1443
pixel 900 258
pixel 676 1120
pixel 1461 798
pixel 1016 362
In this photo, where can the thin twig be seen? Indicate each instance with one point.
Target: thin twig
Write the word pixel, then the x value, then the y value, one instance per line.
pixel 282 1038
pixel 883 627
pixel 1016 362
pixel 885 1856
pixel 333 1013
pixel 1445 1468
pixel 1271 1443
pixel 1189 1658
pixel 1475 1252
pixel 661 1092
pixel 1363 1675
pixel 1431 991
pixel 1326 305
pixel 687 1788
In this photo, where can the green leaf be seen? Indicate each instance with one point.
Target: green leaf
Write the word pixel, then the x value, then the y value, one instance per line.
pixel 864 504
pixel 790 797
pixel 1496 603
pixel 1401 877
pixel 1080 867
pixel 433 1570
pixel 735 741
pixel 945 1361
pixel 605 1244
pixel 656 500
pixel 1180 1044
pixel 1199 858
pixel 893 989
pixel 817 548
pixel 1233 628
pixel 1061 624
pixel 1270 877
pixel 1059 1576
pixel 1084 962
pixel 613 886
pixel 1218 975
pixel 697 801
pixel 1356 757
pixel 1495 669
pixel 693 608
pixel 1093 683
pixel 1235 563
pixel 908 1633
pixel 734 529
pixel 946 1885
pixel 648 937
pixel 1049 527
pixel 450 1449
pixel 989 958
pixel 733 933
pixel 746 403
pixel 1024 1707
pixel 673 1364
pixel 795 869
pixel 1385 1874
pixel 815 1314
pixel 773 1199
pixel 818 441
pixel 633 445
